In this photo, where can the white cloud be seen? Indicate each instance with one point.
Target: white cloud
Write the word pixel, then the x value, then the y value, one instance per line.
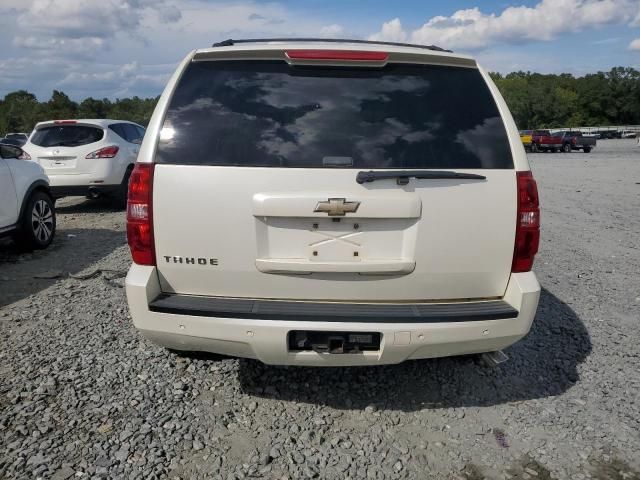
pixel 332 31
pixel 78 19
pixel 234 19
pixel 635 45
pixel 13 6
pixel 71 27
pixel 116 80
pixel 473 29
pixel 71 47
pixel 169 14
pixel 392 31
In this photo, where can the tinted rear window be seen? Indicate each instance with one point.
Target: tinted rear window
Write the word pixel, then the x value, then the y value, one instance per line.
pixel 66 136
pixel 270 114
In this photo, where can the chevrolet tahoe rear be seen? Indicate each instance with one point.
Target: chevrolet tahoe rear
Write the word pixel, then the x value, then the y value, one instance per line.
pixel 332 203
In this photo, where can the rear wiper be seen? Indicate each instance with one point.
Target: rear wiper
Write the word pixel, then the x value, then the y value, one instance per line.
pixel 403 176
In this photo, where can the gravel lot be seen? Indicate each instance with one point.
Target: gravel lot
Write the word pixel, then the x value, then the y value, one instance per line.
pixel 83 395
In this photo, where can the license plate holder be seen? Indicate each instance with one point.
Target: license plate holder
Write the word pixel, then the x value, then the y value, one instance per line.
pixel 331 342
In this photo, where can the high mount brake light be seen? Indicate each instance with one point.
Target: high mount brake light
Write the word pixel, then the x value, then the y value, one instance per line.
pixel 528 223
pixel 106 152
pixel 140 214
pixel 64 122
pixel 342 55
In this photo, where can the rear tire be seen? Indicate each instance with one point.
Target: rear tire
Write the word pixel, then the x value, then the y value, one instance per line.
pixel 586 149
pixel 534 148
pixel 566 148
pixel 38 222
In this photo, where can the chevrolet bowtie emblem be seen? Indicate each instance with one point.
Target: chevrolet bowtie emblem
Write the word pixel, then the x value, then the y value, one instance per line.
pixel 337 207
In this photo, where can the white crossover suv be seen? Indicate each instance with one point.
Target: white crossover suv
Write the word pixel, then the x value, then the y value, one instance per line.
pixel 26 207
pixel 86 157
pixel 332 203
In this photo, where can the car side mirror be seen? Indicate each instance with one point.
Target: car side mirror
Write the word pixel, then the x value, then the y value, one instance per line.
pixel 10 151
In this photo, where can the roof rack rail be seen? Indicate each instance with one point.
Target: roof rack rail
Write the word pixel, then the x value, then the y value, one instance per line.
pixel 230 42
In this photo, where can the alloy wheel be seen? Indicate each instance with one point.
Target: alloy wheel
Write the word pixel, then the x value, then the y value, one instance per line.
pixel 42 221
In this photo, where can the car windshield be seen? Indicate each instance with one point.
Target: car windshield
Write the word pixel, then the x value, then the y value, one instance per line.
pixel 66 136
pixel 267 113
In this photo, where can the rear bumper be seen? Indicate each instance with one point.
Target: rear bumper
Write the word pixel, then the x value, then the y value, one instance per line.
pixel 178 326
pixel 103 181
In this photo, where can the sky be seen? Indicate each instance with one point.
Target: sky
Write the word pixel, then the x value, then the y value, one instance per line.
pixel 121 48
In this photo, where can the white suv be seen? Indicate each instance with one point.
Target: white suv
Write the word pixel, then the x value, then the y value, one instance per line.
pixel 86 157
pixel 332 203
pixel 26 206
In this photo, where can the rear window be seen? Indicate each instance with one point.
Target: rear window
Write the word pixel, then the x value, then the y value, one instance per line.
pixel 269 114
pixel 66 136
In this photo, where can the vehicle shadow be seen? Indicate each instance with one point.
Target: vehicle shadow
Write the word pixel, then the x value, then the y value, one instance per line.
pixel 542 364
pixel 73 250
pixel 86 205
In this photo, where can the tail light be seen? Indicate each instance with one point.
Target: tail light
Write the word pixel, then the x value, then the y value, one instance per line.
pixel 24 156
pixel 528 223
pixel 140 215
pixel 343 55
pixel 106 152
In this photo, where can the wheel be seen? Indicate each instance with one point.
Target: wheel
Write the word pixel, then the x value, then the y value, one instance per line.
pixel 38 222
pixel 120 197
pixel 586 149
pixel 566 148
pixel 534 148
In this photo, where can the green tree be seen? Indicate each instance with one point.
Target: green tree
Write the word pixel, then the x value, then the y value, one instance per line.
pixel 92 108
pixel 18 112
pixel 61 106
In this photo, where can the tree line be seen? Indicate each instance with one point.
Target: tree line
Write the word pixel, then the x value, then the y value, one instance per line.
pixel 21 110
pixel 535 100
pixel 549 101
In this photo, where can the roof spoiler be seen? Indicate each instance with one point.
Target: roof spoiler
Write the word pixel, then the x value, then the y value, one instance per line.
pixel 230 42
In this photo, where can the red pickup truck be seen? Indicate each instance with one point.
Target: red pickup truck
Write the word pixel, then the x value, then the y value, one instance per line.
pixel 543 141
pixel 565 141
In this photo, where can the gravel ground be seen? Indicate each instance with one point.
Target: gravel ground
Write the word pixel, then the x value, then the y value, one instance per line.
pixel 83 395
